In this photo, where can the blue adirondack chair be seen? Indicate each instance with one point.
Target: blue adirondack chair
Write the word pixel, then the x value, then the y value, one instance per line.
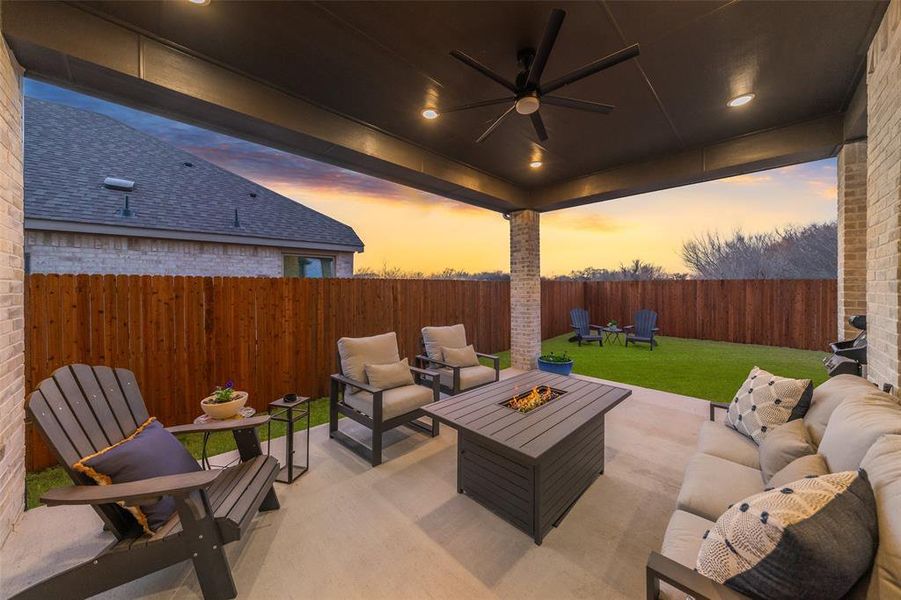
pixel 644 328
pixel 584 331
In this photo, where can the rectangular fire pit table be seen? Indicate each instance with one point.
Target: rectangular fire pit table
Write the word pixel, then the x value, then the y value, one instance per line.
pixel 529 468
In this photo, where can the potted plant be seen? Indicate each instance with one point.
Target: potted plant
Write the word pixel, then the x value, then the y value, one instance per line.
pixel 612 324
pixel 225 402
pixel 560 364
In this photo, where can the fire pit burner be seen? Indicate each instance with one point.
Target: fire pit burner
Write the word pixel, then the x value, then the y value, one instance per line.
pixel 537 397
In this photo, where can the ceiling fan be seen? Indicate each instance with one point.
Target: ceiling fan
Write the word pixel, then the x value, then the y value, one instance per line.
pixel 529 93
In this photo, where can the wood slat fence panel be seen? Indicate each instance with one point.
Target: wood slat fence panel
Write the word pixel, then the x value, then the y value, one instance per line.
pixel 184 335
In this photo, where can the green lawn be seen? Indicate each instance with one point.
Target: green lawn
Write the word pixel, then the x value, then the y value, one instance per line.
pixel 703 369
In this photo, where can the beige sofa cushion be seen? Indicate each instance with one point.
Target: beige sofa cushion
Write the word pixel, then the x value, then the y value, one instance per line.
pixel 783 445
pixel 716 439
pixel 812 465
pixel 681 543
pixel 711 484
pixel 356 353
pixel 883 466
pixel 435 338
pixel 460 357
pixel 389 375
pixel 395 402
pixel 470 377
pixel 827 396
pixel 855 425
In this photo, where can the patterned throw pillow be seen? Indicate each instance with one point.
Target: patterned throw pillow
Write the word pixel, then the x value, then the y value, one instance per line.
pixel 812 539
pixel 766 401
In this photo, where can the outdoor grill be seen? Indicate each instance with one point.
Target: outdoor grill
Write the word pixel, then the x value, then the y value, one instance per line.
pixel 849 356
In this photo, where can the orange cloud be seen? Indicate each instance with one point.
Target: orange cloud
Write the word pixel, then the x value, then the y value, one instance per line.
pixel 749 179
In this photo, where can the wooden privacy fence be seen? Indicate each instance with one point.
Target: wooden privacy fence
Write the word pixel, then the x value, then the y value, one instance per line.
pixel 184 335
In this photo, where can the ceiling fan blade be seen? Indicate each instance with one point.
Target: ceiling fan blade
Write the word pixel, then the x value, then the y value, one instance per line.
pixel 477 104
pixel 494 125
pixel 578 104
pixel 554 22
pixel 473 63
pixel 538 124
pixel 592 68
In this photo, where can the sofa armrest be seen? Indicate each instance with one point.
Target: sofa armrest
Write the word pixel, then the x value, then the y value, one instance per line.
pixel 495 360
pixel 344 380
pixel 661 568
pixel 425 360
pixel 717 405
pixel 133 492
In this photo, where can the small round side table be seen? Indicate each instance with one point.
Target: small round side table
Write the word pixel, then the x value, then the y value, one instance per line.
pixel 244 413
pixel 289 413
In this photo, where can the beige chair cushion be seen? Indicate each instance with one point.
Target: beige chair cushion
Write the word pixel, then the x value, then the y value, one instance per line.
pixel 812 465
pixel 681 543
pixel 470 377
pixel 436 338
pixel 828 396
pixel 391 375
pixel 716 439
pixel 854 426
pixel 356 353
pixel 711 484
pixel 883 466
pixel 395 402
pixel 783 445
pixel 460 357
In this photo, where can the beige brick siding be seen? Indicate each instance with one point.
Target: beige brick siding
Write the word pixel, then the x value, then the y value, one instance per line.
pixel 884 199
pixel 62 252
pixel 525 289
pixel 852 235
pixel 12 326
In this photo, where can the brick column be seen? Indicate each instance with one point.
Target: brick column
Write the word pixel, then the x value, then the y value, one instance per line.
pixel 525 289
pixel 852 235
pixel 884 199
pixel 12 325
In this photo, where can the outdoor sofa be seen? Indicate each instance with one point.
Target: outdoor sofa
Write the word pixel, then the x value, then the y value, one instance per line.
pixel 727 469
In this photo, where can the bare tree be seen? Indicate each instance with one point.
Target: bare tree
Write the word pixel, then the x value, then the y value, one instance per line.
pixel 809 252
pixel 637 270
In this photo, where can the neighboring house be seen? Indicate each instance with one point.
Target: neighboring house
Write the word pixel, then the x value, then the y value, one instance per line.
pixel 171 213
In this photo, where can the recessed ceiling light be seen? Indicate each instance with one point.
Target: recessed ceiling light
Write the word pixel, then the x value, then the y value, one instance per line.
pixel 740 100
pixel 535 164
pixel 430 113
pixel 200 2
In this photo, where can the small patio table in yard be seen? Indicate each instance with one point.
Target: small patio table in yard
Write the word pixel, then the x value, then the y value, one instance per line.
pixel 529 466
pixel 612 332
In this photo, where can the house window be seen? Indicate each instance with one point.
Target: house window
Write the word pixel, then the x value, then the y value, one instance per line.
pixel 315 267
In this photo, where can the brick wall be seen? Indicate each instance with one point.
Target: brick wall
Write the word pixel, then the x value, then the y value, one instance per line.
pixel 525 289
pixel 884 199
pixel 852 235
pixel 12 326
pixel 62 252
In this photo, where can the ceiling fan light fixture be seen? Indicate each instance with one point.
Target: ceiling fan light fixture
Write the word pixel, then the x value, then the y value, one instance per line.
pixel 430 114
pixel 528 104
pixel 740 100
pixel 536 164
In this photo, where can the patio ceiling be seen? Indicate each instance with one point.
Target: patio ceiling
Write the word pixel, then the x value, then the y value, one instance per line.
pixel 345 83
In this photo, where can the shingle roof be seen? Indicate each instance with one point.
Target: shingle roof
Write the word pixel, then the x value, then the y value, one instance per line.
pixel 69 152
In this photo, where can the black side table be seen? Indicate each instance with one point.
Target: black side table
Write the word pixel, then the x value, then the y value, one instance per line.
pixel 290 413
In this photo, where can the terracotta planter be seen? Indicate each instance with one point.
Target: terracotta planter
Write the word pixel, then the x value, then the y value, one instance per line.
pixel 224 410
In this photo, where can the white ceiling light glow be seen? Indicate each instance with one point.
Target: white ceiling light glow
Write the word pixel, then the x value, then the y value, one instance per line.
pixel 740 100
pixel 430 114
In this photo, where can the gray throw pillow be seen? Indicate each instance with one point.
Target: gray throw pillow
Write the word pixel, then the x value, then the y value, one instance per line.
pixel 782 445
pixel 389 376
pixel 766 401
pixel 812 465
pixel 810 540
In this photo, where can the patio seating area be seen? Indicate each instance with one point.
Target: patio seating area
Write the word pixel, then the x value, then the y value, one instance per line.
pixel 421 538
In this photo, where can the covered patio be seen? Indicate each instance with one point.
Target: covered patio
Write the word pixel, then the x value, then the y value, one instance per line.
pixel 349 84
pixel 401 530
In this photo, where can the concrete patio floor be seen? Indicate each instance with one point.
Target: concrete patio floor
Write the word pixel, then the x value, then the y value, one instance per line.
pixel 400 530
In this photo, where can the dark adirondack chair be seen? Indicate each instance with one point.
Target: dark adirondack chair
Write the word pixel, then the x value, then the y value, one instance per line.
pixel 644 328
pixel 584 331
pixel 80 410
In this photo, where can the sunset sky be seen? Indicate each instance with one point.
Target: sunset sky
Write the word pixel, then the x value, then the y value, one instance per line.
pixel 413 230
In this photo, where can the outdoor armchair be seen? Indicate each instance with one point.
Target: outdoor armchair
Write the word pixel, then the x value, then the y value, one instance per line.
pixel 583 329
pixel 644 328
pixel 377 408
pixel 455 379
pixel 81 410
